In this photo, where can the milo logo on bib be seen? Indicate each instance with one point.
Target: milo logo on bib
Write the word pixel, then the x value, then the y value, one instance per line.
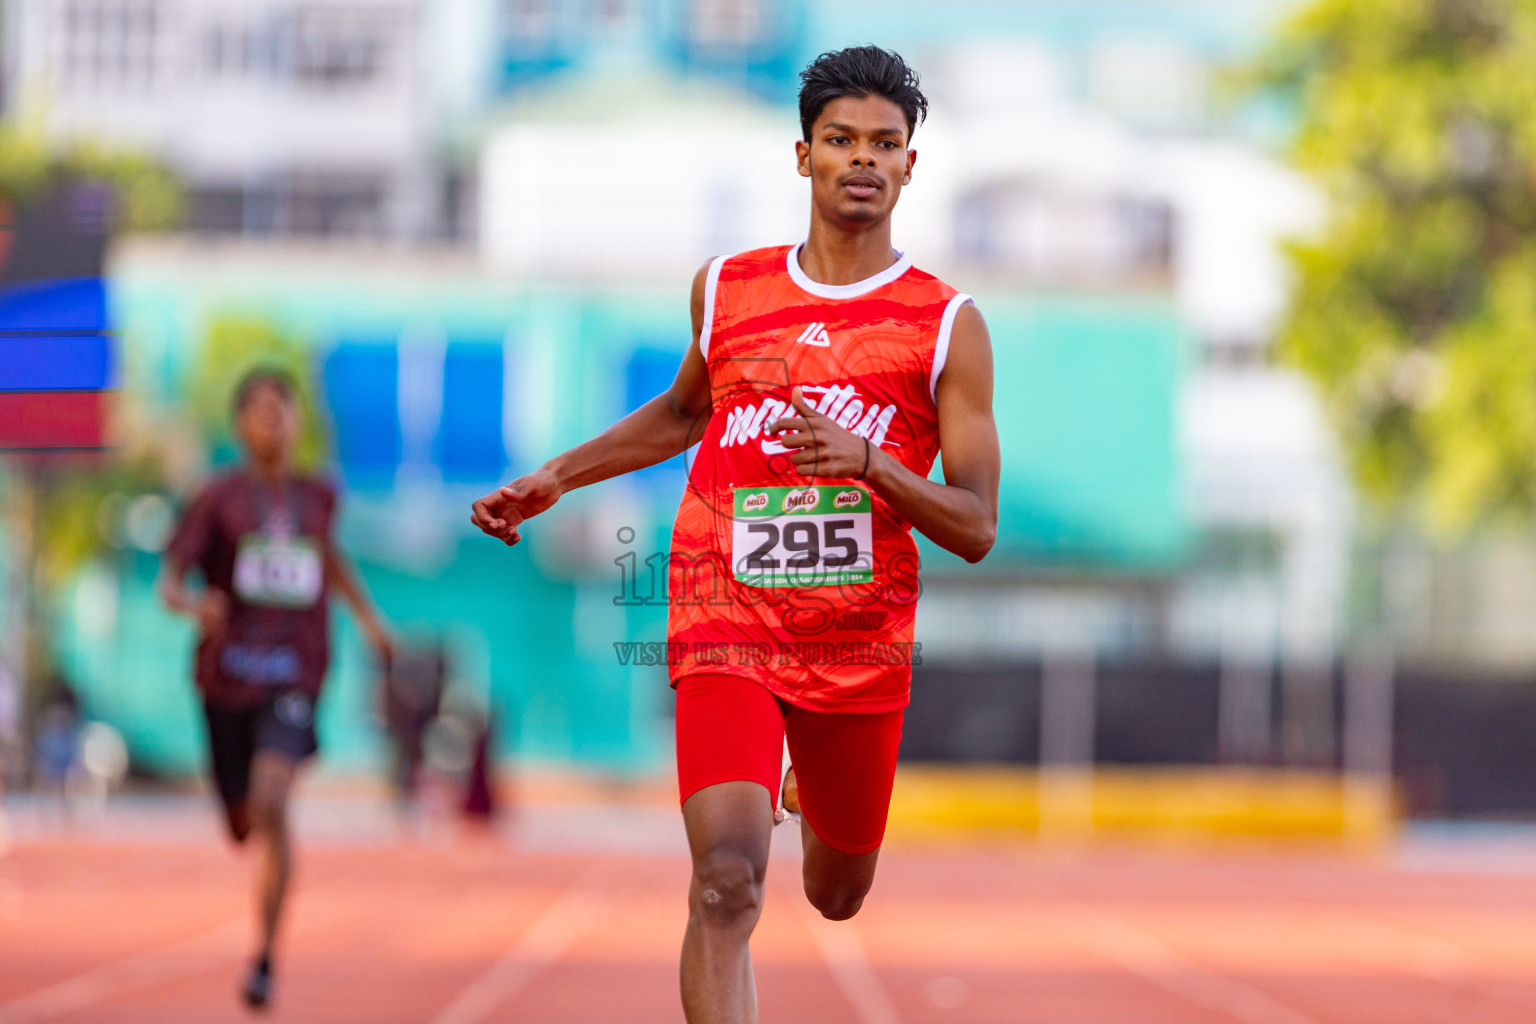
pixel 802 501
pixel 802 536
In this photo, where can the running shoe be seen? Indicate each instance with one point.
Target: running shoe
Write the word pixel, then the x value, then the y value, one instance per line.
pixel 258 985
pixel 782 813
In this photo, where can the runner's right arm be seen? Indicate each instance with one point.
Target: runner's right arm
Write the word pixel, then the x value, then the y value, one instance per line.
pixel 661 428
pixel 210 607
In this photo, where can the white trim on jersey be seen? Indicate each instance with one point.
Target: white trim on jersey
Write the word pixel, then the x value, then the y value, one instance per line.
pixel 711 279
pixel 845 291
pixel 941 347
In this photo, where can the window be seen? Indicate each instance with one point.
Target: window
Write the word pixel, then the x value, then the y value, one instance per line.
pixel 216 210
pixel 728 23
pixel 610 13
pixel 1051 233
pixel 306 204
pixel 529 22
pixel 1149 83
pixel 338 46
pixel 234 49
pixel 336 206
pixel 362 381
pixel 469 445
pixel 108 44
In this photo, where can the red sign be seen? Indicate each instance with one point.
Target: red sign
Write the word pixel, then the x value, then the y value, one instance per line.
pixel 52 420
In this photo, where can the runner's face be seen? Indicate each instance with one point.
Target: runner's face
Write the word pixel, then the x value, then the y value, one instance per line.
pixel 268 424
pixel 857 159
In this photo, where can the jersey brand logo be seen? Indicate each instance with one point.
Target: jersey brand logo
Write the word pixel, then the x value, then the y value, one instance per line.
pixel 839 402
pixel 816 334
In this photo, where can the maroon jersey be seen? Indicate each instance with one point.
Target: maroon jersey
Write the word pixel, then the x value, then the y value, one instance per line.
pixel 265 548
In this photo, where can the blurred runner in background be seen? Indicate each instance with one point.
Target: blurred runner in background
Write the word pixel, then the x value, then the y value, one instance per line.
pixel 260 536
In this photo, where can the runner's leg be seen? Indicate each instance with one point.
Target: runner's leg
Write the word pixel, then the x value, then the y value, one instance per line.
pixel 730 735
pixel 272 775
pixel 231 745
pixel 835 882
pixel 844 766
pixel 729 825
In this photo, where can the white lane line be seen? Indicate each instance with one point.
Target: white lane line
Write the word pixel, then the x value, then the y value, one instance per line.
pixel 554 932
pixel 1437 960
pixel 848 961
pixel 179 960
pixel 1154 960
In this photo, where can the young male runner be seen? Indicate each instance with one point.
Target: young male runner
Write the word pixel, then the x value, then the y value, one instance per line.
pixel 261 537
pixel 824 379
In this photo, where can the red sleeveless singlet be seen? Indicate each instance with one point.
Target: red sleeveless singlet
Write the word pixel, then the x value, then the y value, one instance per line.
pixel 805 585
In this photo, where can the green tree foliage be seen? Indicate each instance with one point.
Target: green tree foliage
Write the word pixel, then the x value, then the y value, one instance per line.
pixel 1415 308
pixel 148 196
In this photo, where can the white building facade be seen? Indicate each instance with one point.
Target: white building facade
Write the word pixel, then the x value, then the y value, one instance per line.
pixel 281 117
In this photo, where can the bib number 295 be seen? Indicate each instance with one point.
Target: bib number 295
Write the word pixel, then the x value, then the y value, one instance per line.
pixel 811 548
pixel 802 537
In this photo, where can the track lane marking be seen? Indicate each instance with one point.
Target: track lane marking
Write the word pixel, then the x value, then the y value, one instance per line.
pixel 843 949
pixel 183 959
pixel 562 924
pixel 1155 960
pixel 1435 959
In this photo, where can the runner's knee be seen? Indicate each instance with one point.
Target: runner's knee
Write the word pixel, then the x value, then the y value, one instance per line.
pixel 727 888
pixel 837 906
pixel 837 901
pixel 268 813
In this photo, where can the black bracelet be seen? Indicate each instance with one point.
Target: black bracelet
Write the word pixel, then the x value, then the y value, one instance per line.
pixel 866 461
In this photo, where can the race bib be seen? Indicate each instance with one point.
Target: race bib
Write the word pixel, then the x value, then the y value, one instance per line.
pixel 802 536
pixel 279 574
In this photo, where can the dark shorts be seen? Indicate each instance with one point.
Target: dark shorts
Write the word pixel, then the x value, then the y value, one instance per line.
pixel 285 724
pixel 730 729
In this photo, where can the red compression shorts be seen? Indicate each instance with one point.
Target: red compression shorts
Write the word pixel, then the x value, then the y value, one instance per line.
pixel 731 729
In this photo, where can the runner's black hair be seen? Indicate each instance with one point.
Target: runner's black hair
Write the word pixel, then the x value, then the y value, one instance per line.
pixel 273 377
pixel 860 71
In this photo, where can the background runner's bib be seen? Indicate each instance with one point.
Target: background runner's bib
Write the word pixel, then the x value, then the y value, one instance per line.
pixel 277 573
pixel 806 585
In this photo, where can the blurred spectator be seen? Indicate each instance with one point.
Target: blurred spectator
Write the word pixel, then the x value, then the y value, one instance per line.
pixel 11 756
pixel 411 693
pixel 56 743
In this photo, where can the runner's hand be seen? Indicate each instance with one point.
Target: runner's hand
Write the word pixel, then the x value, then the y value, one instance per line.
pixel 821 447
pixel 213 612
pixel 500 513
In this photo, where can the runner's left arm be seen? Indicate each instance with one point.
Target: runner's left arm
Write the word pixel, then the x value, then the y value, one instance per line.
pixel 342 576
pixel 959 515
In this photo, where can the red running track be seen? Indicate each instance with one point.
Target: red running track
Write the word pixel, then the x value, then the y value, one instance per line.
pixel 147 921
